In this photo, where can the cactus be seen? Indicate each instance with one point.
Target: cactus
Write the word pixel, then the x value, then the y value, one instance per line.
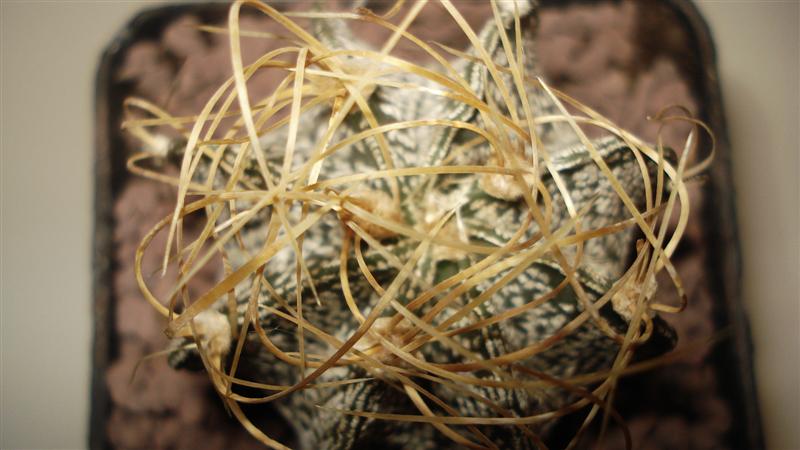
pixel 416 256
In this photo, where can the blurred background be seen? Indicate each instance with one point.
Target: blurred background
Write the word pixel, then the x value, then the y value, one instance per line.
pixel 50 53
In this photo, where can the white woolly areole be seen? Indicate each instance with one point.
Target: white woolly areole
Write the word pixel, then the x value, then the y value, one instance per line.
pixel 524 7
pixel 214 332
pixel 382 327
pixel 624 301
pixel 160 145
